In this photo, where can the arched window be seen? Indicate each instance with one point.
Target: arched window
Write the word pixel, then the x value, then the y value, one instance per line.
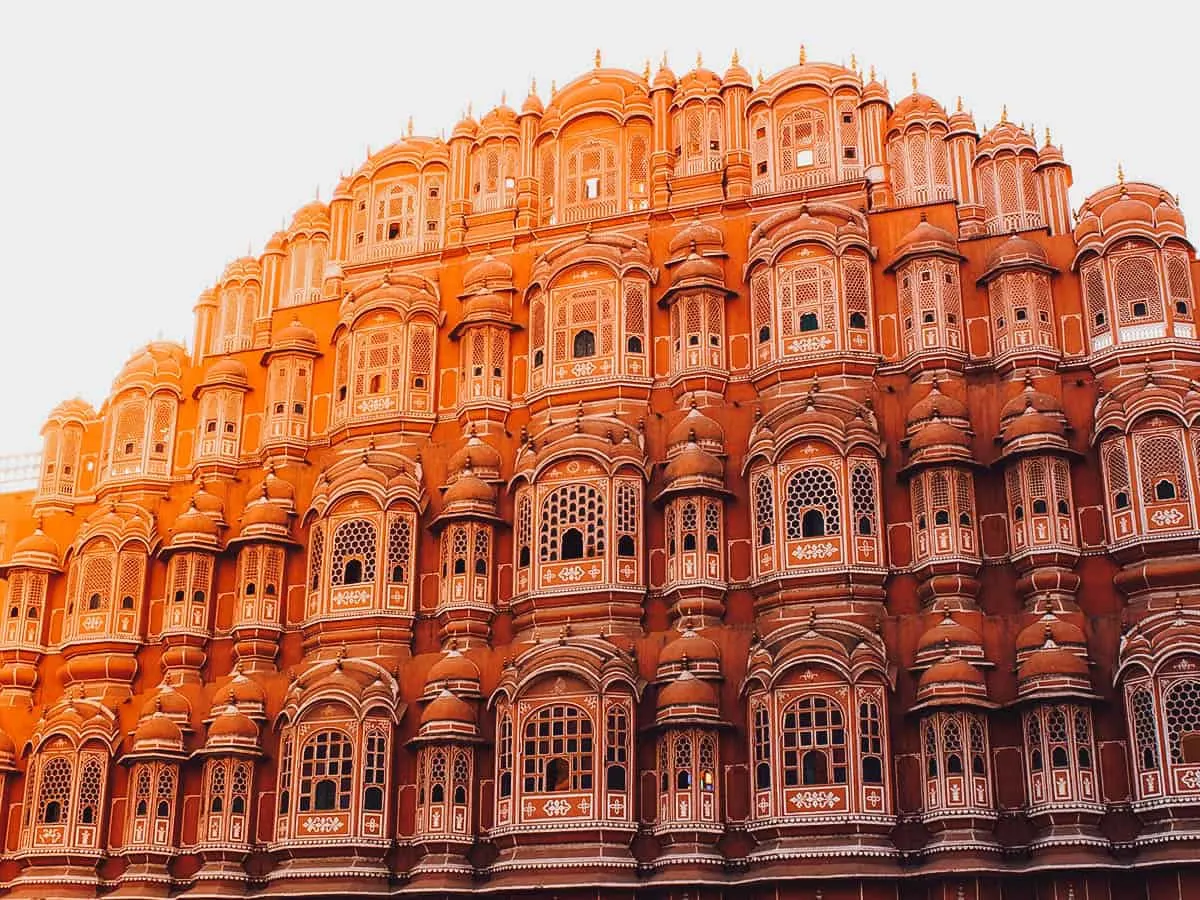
pixel 573 524
pixel 326 772
pixel 616 749
pixel 55 791
pixel 813 735
pixel 504 755
pixel 558 748
pixel 583 344
pixel 354 548
pixel 870 741
pixel 762 746
pixel 764 510
pixel 1145 728
pixel 1182 708
pixel 812 490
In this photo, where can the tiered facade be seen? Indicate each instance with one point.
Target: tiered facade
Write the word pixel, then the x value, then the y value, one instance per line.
pixel 691 487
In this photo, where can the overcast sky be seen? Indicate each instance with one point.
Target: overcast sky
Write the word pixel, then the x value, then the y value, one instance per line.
pixel 143 145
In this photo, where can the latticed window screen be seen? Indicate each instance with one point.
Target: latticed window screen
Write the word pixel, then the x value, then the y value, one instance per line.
pixel 1145 728
pixel 578 507
pixel 1161 463
pixel 557 752
pixel 326 772
pixel 856 287
pixel 760 292
pixel 1136 285
pixel 813 738
pixel 1179 284
pixel 1116 467
pixel 764 510
pixel 628 508
pixel 399 549
pixel 1182 708
pixel 807 298
pixel 316 555
pixel 91 786
pixel 812 488
pixel 1094 298
pixel 862 497
pixel 354 541
pixel 55 791
pixel 803 140
pixel 524 529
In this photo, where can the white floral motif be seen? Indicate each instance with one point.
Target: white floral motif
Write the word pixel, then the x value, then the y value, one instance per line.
pixel 1167 517
pixel 815 800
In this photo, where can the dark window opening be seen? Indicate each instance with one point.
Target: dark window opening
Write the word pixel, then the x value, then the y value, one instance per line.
pixel 352 573
pixel 625 546
pixel 326 794
pixel 634 344
pixel 572 544
pixel 764 334
pixel 615 778
pixel 1040 508
pixel 762 776
pixel 813 524
pixel 816 768
pixel 583 345
pixel 808 322
pixel 941 517
pixel 858 320
pixel 538 358
pixel 1139 308
pixel 872 770
pixel 1164 490
pixel 1121 500
pixel 373 799
pixel 558 775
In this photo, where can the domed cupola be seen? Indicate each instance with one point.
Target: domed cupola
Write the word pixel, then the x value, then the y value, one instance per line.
pixel 231 731
pixel 692 651
pixel 1033 421
pixel 454 672
pixel 1052 670
pixel 1017 276
pixel 952 681
pixel 157 736
pixel 686 700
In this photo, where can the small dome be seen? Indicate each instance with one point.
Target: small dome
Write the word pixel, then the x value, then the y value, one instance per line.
pixel 499 118
pixel 1061 631
pixel 697 428
pixel 157 364
pixel 961 120
pixel 466 127
pixel 947 633
pixel 938 433
pixel 446 707
pixel 664 78
pixel 916 107
pixel 469 489
pixel 263 512
pixel 489 272
pixel 874 92
pixel 453 668
pixel 232 726
pixel 1016 252
pixel 194 525
pixel 951 672
pixel 737 74
pixel 477 455
pixel 925 238
pixel 295 334
pixel 227 370
pixel 1008 136
pixel 243 268
pixel 687 691
pixel 936 404
pixel 275 243
pixel 697 270
pixel 36 546
pixel 207 503
pixel 74 410
pixel 312 216
pixel 698 235
pixel 157 732
pixel 170 703
pixel 693 462
pixel 692 647
pixel 533 104
pixel 244 691
pixel 699 81
pixel 1051 661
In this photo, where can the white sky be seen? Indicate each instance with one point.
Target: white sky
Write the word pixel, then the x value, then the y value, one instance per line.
pixel 143 145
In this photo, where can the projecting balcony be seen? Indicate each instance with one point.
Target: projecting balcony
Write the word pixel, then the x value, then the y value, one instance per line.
pixel 698 165
pixel 395 249
pixel 1010 222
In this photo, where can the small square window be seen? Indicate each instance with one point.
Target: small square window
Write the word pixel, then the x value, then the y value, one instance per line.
pixel 804 158
pixel 434 192
pixel 393 231
pixel 591 187
pixel 1043 316
pixel 714 145
pixel 1022 314
pixel 926 276
pixel 849 153
pixel 510 183
pixel 762 168
pixel 760 132
pixel 358 238
pixel 431 225
pixel 1139 308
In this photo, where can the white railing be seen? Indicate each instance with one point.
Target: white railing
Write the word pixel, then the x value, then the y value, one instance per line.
pixel 395 249
pixel 19 471
pixel 301 296
pixel 698 165
pixel 595 209
pixel 1010 222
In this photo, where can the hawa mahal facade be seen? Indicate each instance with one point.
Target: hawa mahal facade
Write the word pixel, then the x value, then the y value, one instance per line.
pixel 692 486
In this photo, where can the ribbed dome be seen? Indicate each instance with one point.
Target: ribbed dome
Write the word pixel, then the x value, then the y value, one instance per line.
pixel 453 667
pixel 951 671
pixel 295 333
pixel 1051 660
pixel 241 269
pixel 232 726
pixel 489 272
pixel 313 216
pixel 1006 135
pixel 947 633
pixel 687 690
pixel 192 523
pixel 170 703
pixel 1061 631
pixel 446 707
pixel 694 462
pixel 157 732
pixel 36 546
pixel 935 403
pixel 697 428
pixel 477 455
pixel 690 646
pixel 469 489
pixel 1014 252
pixel 938 433
pixel 926 237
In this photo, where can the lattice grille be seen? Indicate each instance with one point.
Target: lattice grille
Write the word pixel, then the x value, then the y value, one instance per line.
pixel 635 316
pixel 862 497
pixel 91 779
pixel 1182 706
pixel 760 290
pixel 764 509
pixel 1161 459
pixel 1145 729
pixel 814 725
pixel 399 549
pixel 55 791
pixel 563 732
pixel 812 488
pixel 524 525
pixel 1178 282
pixel 326 772
pixel 578 506
pixel 963 499
pixel 1136 282
pixel 316 555
pixel 354 539
pixel 628 507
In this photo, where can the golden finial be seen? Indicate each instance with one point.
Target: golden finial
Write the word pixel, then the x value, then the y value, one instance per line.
pixel 553 87
pixel 958 104
pixel 1120 174
pixel 663 64
pixel 1004 114
pixel 1047 136
pixel 410 126
pixel 914 82
pixel 853 62
pixel 646 69
pixel 470 111
pixel 803 55
pixel 872 73
pixel 532 85
pixel 734 60
pixel 760 76
pixel 597 60
pixel 504 98
pixel 699 60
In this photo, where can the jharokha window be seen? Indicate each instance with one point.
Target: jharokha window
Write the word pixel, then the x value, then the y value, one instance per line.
pixel 1148 480
pixel 818 749
pixel 384 368
pixel 590 327
pixel 65 797
pixel 566 759
pixel 1164 727
pixel 589 528
pixel 366 564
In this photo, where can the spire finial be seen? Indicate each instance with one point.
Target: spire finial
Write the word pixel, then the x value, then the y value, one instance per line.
pixel 646 69
pixel 533 85
pixel 803 55
pixel 663 64
pixel 760 75
pixel 958 104
pixel 914 82
pixel 597 59
pixel 1004 114
pixel 872 72
pixel 470 112
pixel 504 98
pixel 734 60
pixel 1047 135
pixel 1120 174
pixel 410 126
pixel 553 87
pixel 853 61
pixel 699 59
